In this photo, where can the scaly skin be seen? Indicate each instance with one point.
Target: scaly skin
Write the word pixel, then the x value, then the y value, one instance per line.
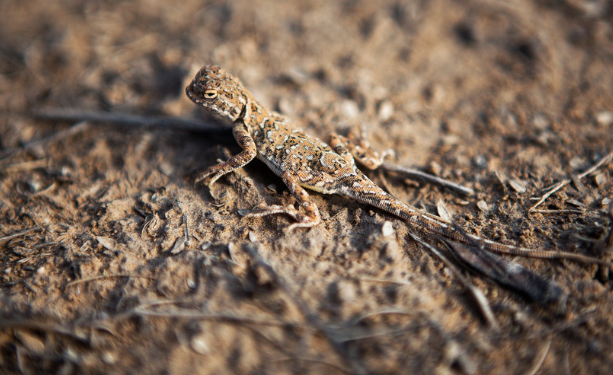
pixel 303 161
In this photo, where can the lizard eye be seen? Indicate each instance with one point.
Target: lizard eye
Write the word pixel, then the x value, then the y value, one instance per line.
pixel 210 94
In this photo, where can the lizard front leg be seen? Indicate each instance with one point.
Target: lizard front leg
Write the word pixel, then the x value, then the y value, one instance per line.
pixel 309 218
pixel 243 138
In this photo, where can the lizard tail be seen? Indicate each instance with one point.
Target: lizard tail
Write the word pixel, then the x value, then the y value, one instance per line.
pixel 365 191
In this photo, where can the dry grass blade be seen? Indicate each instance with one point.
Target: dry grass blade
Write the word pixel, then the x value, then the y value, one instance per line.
pixel 24 166
pixel 384 281
pixel 556 187
pixel 512 275
pixel 565 182
pixel 479 298
pixel 540 358
pixel 5 239
pixel 357 336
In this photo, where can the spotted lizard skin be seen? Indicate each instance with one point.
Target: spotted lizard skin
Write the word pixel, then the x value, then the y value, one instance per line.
pixel 305 162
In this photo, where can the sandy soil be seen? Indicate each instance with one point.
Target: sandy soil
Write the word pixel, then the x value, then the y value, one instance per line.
pixel 507 98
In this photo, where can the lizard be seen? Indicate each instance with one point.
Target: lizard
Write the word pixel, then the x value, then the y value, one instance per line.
pixel 305 162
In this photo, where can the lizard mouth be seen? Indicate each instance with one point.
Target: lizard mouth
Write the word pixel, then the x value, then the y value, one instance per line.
pixel 189 91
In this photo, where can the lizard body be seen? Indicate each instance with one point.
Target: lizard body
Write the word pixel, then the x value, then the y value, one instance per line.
pixel 303 161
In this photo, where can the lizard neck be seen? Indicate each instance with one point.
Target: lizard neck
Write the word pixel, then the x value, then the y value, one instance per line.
pixel 255 112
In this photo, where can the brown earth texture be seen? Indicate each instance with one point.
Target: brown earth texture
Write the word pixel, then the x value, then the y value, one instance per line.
pixel 112 261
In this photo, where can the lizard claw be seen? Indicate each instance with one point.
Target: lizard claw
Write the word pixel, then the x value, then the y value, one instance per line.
pixel 264 210
pixel 207 178
pixel 302 221
pixel 389 153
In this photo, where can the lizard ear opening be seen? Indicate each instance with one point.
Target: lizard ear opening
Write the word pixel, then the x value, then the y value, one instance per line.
pixel 210 94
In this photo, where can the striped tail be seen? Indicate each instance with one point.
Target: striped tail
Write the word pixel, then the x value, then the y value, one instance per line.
pixel 365 191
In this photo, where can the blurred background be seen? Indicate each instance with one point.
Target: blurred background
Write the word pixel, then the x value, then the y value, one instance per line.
pixel 478 92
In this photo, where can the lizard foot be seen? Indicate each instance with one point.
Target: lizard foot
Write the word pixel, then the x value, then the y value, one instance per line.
pixel 302 220
pixel 208 177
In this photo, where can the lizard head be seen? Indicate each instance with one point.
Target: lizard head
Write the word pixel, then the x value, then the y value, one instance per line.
pixel 218 92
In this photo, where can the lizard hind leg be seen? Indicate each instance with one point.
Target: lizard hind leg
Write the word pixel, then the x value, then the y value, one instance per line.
pixel 355 146
pixel 308 218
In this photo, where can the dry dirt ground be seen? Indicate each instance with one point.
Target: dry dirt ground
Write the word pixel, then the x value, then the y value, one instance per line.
pixel 96 275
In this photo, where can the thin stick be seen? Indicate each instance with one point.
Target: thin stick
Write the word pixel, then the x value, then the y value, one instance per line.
pixel 18 234
pixel 216 317
pixel 597 165
pixel 427 177
pixel 565 182
pixel 143 310
pixel 106 277
pixel 579 212
pixel 78 127
pixel 24 166
pixel 74 114
pixel 556 187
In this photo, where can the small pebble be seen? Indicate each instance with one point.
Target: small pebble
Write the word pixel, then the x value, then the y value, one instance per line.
pixel 286 107
pixel 442 211
pixel 387 229
pixel 166 168
pixel 435 168
pixel 575 203
pixel 601 179
pixel 109 358
pixel 483 206
pixel 386 110
pixel 31 341
pixel 540 122
pixel 65 171
pixel 576 162
pixel 198 344
pixel 350 109
pixel 107 243
pixel 518 186
pixel 179 245
pixel 480 161
pixel 604 118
